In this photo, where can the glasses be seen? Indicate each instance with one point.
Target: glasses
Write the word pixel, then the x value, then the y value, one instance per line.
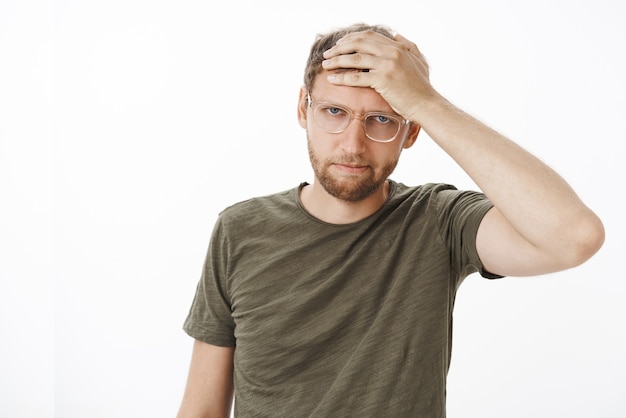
pixel 334 119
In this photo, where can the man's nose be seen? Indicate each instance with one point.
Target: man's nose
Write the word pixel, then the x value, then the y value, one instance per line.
pixel 353 137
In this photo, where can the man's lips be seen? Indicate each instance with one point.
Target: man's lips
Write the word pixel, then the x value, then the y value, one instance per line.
pixel 351 168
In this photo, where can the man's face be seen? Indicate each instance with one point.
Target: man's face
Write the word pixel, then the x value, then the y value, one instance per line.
pixel 348 165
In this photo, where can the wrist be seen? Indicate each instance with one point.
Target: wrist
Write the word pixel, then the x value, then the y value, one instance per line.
pixel 430 105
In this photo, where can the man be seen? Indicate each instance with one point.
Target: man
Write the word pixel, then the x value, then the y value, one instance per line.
pixel 335 298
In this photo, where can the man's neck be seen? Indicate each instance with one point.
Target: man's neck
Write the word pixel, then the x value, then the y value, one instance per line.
pixel 325 207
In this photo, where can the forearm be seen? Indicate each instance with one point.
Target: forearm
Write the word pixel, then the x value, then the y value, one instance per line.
pixel 533 198
pixel 209 390
pixel 197 404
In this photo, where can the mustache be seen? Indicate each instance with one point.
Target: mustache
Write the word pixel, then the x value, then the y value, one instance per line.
pixel 348 160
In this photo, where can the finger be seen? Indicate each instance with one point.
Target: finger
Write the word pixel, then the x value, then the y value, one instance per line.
pixel 351 48
pixel 350 78
pixel 365 42
pixel 352 60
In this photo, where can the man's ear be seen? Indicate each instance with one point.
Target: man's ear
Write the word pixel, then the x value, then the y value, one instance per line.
pixel 411 136
pixel 303 105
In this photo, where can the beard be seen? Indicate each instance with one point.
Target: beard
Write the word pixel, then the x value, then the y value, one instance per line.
pixel 347 187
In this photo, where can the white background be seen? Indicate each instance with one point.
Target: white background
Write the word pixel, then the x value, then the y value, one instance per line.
pixel 127 125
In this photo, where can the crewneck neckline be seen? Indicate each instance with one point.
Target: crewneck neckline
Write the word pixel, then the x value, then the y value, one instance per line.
pixel 393 186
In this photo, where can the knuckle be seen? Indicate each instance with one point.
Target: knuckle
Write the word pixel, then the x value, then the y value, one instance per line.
pixel 396 53
pixel 353 77
pixel 360 38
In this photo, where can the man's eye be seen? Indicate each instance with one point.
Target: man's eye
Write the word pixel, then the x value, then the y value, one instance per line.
pixel 334 110
pixel 382 119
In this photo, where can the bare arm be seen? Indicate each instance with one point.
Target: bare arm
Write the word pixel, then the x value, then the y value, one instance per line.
pixel 538 224
pixel 209 390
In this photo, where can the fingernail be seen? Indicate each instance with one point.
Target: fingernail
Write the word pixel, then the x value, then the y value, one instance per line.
pixel 331 77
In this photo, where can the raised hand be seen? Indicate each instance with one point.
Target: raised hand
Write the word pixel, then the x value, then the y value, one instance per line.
pixel 395 68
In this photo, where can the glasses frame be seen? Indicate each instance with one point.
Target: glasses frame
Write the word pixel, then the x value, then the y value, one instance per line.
pixel 355 115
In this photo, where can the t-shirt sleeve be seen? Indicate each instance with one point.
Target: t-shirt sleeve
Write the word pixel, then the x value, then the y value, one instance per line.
pixel 459 216
pixel 210 316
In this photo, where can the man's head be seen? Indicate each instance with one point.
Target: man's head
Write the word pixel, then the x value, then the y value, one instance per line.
pixel 324 42
pixel 353 158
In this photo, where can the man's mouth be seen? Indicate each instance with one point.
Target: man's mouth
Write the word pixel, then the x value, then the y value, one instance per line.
pixel 351 168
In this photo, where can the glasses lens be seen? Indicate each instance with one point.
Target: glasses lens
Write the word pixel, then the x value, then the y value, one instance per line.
pixel 381 127
pixel 331 118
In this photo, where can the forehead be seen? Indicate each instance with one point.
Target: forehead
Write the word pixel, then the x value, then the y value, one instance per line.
pixel 360 99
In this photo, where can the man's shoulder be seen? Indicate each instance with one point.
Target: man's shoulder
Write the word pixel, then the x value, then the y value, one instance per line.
pixel 435 198
pixel 260 206
pixel 401 190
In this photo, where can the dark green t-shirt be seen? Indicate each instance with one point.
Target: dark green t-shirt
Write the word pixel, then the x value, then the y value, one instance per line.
pixel 339 320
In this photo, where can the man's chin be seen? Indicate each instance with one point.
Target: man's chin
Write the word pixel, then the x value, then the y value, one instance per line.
pixel 349 190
